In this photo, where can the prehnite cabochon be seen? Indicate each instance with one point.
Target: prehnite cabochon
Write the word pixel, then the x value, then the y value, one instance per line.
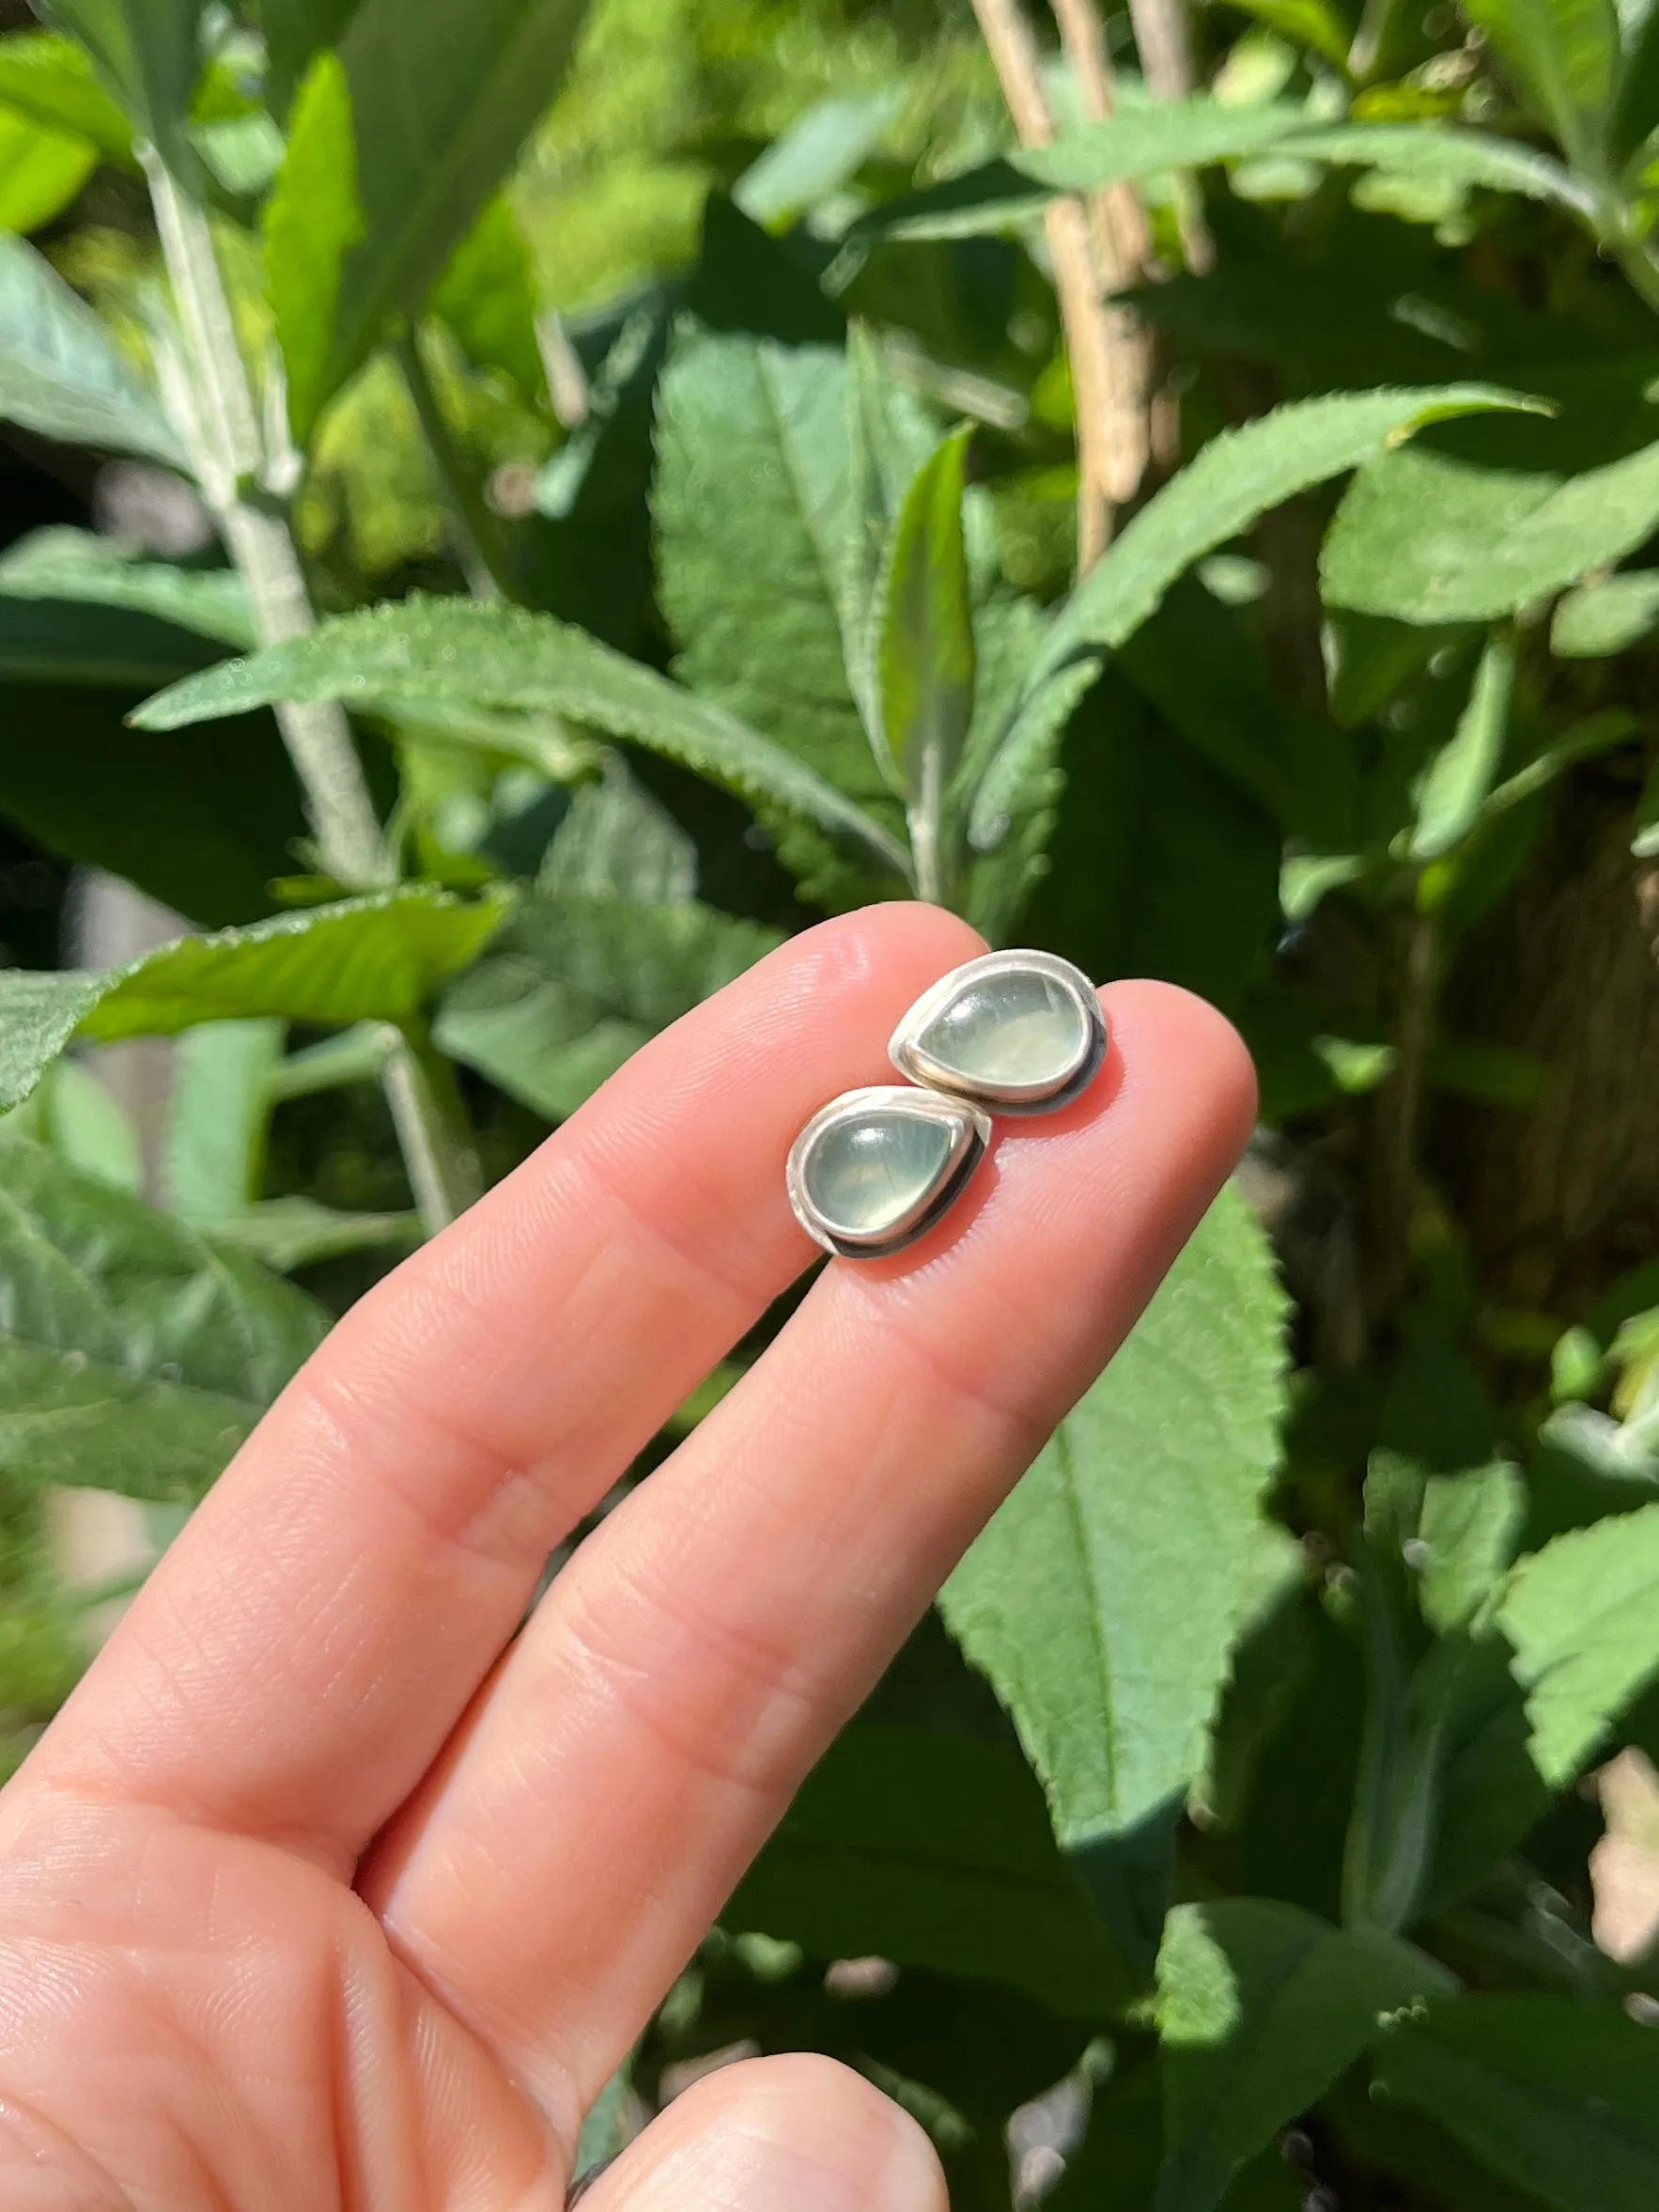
pixel 1021 1027
pixel 867 1175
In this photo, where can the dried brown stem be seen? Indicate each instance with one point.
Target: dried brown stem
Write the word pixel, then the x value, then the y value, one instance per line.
pixel 1105 370
pixel 1122 245
pixel 1163 39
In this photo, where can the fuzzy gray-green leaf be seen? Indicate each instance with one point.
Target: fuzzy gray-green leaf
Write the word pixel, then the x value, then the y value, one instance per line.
pixel 1427 537
pixel 577 984
pixel 1237 477
pixel 135 1356
pixel 1102 1599
pixel 926 650
pixel 1583 1616
pixel 458 652
pixel 60 373
pixel 375 959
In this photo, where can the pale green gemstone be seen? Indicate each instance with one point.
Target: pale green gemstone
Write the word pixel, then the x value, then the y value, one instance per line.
pixel 1009 1029
pixel 865 1176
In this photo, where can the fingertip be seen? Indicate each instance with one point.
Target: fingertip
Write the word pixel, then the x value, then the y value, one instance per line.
pixel 1169 1038
pixel 798 2130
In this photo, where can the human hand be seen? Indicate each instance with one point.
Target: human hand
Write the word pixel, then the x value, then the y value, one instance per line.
pixel 327 1889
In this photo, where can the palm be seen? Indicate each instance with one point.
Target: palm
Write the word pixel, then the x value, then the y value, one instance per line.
pixel 312 1896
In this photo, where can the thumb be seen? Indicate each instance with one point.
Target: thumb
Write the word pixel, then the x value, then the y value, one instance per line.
pixel 796 2134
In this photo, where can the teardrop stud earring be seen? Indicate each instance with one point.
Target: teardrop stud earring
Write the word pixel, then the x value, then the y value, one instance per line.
pixel 875 1169
pixel 1014 1032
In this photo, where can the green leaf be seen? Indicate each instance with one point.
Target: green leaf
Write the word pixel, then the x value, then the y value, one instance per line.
pixel 1158 864
pixel 575 986
pixel 148 54
pixel 925 632
pixel 486 297
pixel 213 1146
pixel 1138 142
pixel 1007 635
pixel 1309 23
pixel 39 1011
pixel 1262 2007
pixel 47 641
pixel 59 372
pixel 442 100
pixel 1583 1616
pixel 1142 142
pixel 618 842
pixel 592 538
pixel 375 959
pixel 758 535
pixel 68 564
pixel 1606 616
pixel 460 652
pixel 295 31
pixel 932 1850
pixel 1368 658
pixel 1558 2098
pixel 1236 478
pixel 50 81
pixel 1398 2141
pixel 1427 537
pixel 312 220
pixel 1469 1528
pixel 1203 667
pixel 1438 155
pixel 41 171
pixel 1460 778
pixel 1565 55
pixel 1102 1599
pixel 284 1234
pixel 75 1115
pixel 821 151
pixel 133 1355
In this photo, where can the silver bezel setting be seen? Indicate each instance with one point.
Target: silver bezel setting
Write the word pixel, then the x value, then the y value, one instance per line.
pixel 907 1055
pixel 971 1134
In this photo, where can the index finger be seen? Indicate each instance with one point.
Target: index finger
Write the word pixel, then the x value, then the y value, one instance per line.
pixel 297 1659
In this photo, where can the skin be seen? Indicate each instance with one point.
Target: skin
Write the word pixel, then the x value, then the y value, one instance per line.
pixel 329 1890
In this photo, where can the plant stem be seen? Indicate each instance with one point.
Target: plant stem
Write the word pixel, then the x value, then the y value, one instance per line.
pixel 1122 245
pixel 1163 40
pixel 432 1132
pixel 1090 342
pixel 478 539
pixel 227 449
pixel 927 842
pixel 219 424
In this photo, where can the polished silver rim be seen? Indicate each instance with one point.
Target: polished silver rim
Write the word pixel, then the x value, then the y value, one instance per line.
pixel 971 1133
pixel 911 1058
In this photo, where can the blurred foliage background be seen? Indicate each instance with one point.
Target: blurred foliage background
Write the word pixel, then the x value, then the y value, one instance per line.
pixel 1177 488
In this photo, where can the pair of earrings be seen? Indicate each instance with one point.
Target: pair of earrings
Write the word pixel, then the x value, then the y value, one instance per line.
pixel 1014 1033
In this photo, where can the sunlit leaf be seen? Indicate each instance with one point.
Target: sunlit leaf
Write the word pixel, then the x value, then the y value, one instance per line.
pixel 1102 1599
pixel 76 567
pixel 133 1355
pixel 60 373
pixel 375 959
pixel 454 651
pixel 312 220
pixel 1261 2008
